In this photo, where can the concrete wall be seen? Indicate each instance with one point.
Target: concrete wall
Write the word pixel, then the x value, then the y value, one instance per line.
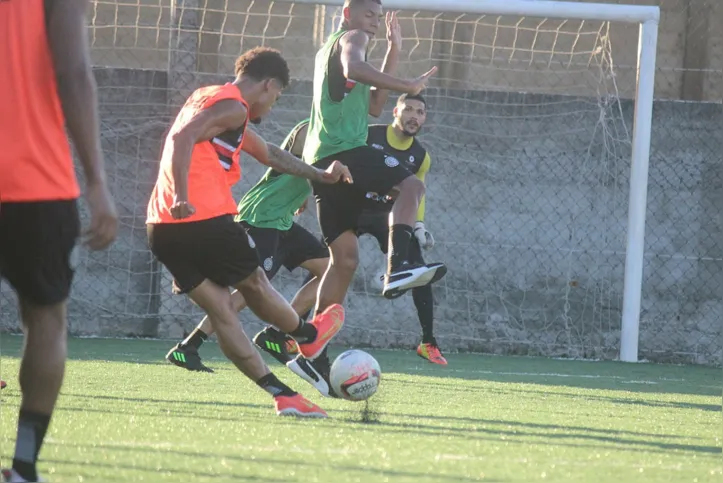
pixel 527 199
pixel 473 52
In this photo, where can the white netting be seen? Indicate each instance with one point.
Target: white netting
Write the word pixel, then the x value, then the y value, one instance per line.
pixel 529 131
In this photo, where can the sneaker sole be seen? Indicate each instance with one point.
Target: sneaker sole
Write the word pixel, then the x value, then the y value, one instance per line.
pixel 299 414
pixel 317 350
pixel 427 278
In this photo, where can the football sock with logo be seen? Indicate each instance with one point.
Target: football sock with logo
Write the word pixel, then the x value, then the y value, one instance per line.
pixel 31 432
pixel 271 384
pixel 400 236
pixel 304 333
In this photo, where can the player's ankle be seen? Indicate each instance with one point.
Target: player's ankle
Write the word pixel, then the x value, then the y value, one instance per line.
pixel 304 333
pixel 271 384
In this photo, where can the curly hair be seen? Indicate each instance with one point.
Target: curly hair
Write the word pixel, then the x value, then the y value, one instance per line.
pixel 263 63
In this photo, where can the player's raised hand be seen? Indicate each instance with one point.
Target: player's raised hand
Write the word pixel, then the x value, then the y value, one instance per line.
pixel 336 172
pixel 420 83
pixel 181 208
pixel 394 31
pixel 103 217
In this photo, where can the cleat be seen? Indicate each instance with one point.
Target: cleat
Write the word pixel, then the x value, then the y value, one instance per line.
pixel 274 343
pixel 3 384
pixel 431 352
pixel 186 357
pixel 409 276
pixel 313 373
pixel 11 476
pixel 328 324
pixel 298 405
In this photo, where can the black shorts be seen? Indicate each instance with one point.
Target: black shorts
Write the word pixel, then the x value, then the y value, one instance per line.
pixel 339 205
pixel 376 224
pixel 290 248
pixel 217 249
pixel 37 248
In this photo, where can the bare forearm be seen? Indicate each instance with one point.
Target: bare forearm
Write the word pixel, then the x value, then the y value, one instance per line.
pixel 366 74
pixel 389 67
pixel 286 163
pixel 180 164
pixel 78 96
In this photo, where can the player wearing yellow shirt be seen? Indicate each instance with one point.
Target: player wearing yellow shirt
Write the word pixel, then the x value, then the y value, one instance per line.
pixel 398 141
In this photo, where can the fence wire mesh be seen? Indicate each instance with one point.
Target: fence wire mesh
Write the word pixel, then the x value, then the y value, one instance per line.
pixel 529 131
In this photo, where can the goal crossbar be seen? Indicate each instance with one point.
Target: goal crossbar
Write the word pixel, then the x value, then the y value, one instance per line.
pixel 529 8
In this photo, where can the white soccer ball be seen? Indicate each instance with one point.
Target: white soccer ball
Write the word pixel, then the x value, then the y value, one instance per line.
pixel 355 375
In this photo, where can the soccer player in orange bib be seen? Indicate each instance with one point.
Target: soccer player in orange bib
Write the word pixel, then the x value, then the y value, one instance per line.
pixel 46 85
pixel 191 228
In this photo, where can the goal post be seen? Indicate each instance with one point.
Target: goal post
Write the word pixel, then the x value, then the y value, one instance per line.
pixel 647 17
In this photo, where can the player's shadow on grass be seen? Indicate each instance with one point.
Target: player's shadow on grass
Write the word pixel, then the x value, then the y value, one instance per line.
pixel 267 462
pixel 383 425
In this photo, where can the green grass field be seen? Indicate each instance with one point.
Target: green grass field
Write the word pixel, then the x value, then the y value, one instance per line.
pixel 127 415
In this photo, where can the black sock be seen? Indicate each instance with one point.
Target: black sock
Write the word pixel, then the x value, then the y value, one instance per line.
pixel 196 338
pixel 304 333
pixel 400 236
pixel 424 302
pixel 274 332
pixel 31 432
pixel 271 384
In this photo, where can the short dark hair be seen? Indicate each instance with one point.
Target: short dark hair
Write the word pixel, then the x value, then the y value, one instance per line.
pixel 261 63
pixel 354 3
pixel 409 97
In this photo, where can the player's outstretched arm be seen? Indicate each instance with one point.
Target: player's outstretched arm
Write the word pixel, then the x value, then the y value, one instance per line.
pixel 353 48
pixel 391 61
pixel 68 42
pixel 285 162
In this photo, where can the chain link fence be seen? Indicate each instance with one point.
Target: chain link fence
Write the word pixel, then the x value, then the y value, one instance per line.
pixel 529 130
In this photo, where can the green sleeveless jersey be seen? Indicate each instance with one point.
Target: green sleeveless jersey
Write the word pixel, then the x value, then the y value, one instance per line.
pixel 272 202
pixel 339 108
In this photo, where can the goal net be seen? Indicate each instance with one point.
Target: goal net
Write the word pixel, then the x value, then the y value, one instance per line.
pixel 529 131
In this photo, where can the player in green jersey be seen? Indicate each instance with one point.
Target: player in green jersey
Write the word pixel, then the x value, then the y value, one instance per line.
pixel 346 90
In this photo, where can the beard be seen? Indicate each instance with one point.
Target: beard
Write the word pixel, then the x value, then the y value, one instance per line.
pixel 406 132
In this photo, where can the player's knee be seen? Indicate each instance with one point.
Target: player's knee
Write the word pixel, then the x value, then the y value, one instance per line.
pixel 413 186
pixel 345 260
pixel 255 285
pixel 50 319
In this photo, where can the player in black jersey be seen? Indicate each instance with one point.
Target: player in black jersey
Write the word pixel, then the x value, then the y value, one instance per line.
pixel 398 140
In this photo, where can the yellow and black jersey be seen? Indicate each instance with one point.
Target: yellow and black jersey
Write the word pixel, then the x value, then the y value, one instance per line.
pixel 409 152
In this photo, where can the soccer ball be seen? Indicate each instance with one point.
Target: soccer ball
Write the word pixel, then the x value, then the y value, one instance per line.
pixel 355 375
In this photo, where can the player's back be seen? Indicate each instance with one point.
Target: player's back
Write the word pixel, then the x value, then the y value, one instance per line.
pixel 214 164
pixel 272 202
pixel 35 159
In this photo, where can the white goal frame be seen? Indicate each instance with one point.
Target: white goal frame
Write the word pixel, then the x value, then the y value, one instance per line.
pixel 648 18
